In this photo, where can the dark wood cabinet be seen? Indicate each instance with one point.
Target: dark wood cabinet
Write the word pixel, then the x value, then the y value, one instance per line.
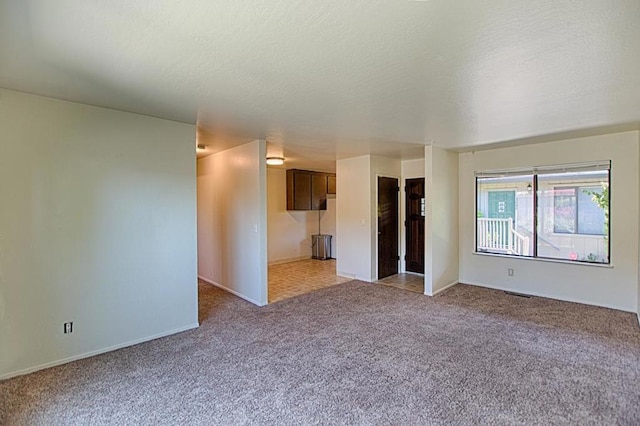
pixel 318 191
pixel 298 190
pixel 331 184
pixel 307 190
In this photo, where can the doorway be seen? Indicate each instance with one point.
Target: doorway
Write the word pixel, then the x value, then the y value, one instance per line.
pixel 387 226
pixel 415 212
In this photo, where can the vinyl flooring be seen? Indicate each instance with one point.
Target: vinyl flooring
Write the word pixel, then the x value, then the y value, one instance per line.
pixel 295 278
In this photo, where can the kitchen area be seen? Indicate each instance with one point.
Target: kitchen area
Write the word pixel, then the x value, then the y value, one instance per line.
pixel 301 231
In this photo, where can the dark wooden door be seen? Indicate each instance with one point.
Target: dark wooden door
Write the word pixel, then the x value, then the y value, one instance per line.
pixel 387 226
pixel 415 211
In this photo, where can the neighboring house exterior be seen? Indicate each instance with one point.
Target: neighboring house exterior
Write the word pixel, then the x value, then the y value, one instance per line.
pixel 571 224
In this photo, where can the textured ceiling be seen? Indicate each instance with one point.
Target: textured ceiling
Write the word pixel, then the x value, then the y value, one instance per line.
pixel 330 79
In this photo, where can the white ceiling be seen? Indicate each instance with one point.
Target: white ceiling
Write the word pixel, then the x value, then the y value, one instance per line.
pixel 322 80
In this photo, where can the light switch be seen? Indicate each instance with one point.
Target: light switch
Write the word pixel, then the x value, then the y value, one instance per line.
pixel 254 227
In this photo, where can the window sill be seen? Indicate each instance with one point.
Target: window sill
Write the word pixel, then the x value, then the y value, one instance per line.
pixel 543 259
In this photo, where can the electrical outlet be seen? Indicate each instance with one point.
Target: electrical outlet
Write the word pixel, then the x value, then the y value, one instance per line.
pixel 67 327
pixel 510 272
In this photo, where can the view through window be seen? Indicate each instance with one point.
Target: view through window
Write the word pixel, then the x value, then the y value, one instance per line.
pixel 566 205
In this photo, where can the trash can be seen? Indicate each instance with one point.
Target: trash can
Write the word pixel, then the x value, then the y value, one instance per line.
pixel 321 246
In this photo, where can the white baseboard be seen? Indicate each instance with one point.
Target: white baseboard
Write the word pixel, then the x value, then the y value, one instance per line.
pixel 451 284
pixel 548 296
pixel 235 293
pixel 353 277
pixel 346 275
pixel 96 352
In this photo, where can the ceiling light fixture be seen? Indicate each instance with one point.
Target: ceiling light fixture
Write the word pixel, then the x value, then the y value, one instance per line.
pixel 275 161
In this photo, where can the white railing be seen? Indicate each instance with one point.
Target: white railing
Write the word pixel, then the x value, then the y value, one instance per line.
pixel 499 235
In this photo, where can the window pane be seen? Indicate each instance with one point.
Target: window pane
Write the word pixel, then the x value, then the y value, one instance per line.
pixel 590 214
pixel 564 210
pixel 571 223
pixel 504 221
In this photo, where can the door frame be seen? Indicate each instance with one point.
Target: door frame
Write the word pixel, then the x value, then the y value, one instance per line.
pixel 375 231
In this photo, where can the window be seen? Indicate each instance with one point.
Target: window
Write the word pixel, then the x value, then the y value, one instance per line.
pixel 567 206
pixel 576 212
pixel 505 215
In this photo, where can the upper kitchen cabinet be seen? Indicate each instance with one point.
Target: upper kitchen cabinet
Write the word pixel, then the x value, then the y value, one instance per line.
pixel 298 190
pixel 331 183
pixel 307 190
pixel 318 191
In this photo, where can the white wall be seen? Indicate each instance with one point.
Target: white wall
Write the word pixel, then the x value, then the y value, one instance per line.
pixel 386 167
pixel 441 221
pixel 357 213
pixel 615 286
pixel 410 169
pixel 353 218
pixel 328 223
pixel 232 221
pixel 97 226
pixel 289 232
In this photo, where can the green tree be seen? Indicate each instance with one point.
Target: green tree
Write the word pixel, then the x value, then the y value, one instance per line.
pixel 602 200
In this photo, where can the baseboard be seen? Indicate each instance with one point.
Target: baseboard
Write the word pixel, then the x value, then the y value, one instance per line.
pixel 235 293
pixel 353 277
pixel 346 275
pixel 96 352
pixel 289 260
pixel 547 296
pixel 451 284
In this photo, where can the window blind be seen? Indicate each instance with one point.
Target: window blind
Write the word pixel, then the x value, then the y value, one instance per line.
pixel 536 170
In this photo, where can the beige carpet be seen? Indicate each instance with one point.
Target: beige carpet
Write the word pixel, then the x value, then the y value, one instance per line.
pixel 356 353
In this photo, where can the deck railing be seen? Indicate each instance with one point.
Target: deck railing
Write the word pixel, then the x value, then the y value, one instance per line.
pixel 499 236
